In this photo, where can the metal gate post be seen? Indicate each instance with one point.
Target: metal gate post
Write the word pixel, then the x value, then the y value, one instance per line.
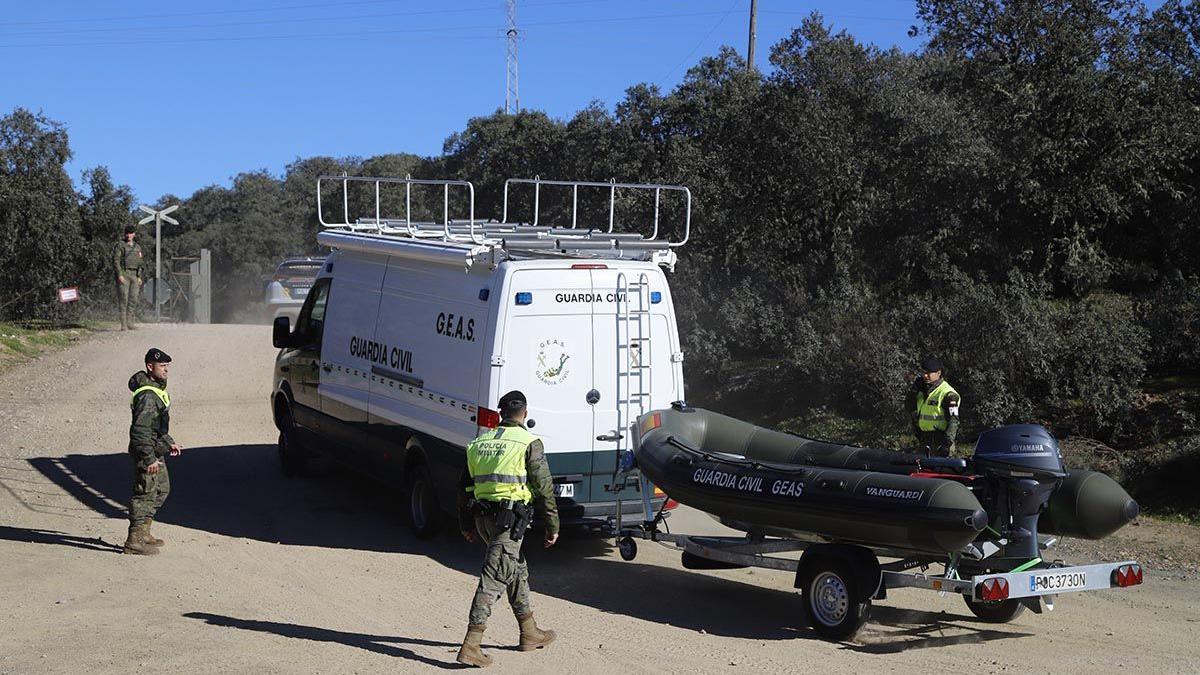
pixel 201 286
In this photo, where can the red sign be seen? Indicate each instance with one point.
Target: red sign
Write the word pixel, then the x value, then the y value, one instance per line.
pixel 68 294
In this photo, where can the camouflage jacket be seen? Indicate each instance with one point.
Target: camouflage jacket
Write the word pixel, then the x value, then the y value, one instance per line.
pixel 149 439
pixel 127 257
pixel 537 477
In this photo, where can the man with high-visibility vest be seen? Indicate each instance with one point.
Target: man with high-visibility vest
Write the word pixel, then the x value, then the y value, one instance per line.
pixel 505 479
pixel 935 417
pixel 149 445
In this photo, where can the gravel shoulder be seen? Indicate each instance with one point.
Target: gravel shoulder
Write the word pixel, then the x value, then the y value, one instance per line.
pixel 268 575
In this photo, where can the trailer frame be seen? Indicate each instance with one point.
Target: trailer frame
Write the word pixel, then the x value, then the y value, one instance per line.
pixel 838 580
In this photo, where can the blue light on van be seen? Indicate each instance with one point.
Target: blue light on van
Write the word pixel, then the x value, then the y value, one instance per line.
pixel 483 294
pixel 655 297
pixel 524 298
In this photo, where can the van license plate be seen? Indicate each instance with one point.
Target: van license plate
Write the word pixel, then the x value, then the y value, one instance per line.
pixel 564 489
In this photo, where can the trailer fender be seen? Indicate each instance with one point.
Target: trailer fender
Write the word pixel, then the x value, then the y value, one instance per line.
pixel 868 573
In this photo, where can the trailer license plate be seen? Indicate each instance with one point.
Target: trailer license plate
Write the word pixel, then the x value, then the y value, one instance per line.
pixel 1064 581
pixel 564 489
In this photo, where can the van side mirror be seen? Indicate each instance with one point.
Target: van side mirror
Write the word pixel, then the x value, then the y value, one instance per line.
pixel 281 332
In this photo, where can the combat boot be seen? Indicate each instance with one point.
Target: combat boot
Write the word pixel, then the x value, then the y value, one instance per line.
pixel 471 652
pixel 533 637
pixel 136 544
pixel 150 538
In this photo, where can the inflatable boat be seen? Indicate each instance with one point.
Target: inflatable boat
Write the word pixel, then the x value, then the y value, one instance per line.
pixel 779 484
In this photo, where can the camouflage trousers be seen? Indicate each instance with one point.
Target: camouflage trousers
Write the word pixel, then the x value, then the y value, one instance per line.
pixel 934 440
pixel 127 297
pixel 150 490
pixel 504 571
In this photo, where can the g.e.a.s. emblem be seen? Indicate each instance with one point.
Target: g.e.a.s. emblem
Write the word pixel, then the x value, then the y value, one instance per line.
pixel 553 361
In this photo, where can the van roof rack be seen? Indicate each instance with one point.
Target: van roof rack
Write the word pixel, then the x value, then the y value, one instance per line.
pixel 476 238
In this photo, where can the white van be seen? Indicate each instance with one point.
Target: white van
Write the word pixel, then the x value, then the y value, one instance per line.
pixel 412 332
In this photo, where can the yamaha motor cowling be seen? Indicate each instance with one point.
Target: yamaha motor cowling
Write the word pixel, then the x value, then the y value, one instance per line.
pixel 1022 464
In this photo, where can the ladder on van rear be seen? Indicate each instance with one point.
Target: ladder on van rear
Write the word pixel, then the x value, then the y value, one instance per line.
pixel 634 394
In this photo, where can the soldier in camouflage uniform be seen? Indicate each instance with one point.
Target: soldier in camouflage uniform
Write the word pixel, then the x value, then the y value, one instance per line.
pixel 506 477
pixel 149 445
pixel 127 259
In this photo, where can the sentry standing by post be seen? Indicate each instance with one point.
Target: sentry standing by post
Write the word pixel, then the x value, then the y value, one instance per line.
pixel 149 445
pixel 127 261
pixel 506 477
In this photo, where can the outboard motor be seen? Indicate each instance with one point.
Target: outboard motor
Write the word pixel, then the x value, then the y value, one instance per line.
pixel 1023 466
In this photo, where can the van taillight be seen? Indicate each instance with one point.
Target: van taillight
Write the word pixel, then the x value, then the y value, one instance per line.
pixel 589 266
pixel 487 418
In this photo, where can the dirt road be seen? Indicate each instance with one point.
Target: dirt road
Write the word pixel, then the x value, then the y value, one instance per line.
pixel 264 574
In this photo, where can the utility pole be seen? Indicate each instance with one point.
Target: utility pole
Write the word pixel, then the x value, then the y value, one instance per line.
pixel 512 99
pixel 753 35
pixel 157 217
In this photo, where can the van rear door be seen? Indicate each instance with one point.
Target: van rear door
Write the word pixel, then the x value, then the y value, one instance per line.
pixel 547 344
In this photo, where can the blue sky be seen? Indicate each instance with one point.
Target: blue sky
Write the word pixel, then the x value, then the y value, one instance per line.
pixel 173 96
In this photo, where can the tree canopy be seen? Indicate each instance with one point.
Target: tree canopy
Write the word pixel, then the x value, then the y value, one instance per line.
pixel 1018 196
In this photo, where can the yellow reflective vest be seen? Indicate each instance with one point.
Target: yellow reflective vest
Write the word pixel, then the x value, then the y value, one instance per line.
pixel 161 393
pixel 496 462
pixel 930 416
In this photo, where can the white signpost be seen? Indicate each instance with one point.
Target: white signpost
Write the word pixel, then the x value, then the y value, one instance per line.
pixel 158 217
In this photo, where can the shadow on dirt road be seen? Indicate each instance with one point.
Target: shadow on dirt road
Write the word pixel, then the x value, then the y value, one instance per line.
pixel 55 538
pixel 388 645
pixel 239 491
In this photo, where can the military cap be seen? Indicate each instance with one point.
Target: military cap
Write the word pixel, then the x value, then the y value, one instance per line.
pixel 512 402
pixel 931 365
pixel 156 355
pixel 130 229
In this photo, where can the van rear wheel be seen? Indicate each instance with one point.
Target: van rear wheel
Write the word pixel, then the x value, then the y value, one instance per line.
pixel 421 501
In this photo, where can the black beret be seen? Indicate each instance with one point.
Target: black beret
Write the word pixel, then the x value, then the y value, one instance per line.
pixel 931 365
pixel 513 400
pixel 156 355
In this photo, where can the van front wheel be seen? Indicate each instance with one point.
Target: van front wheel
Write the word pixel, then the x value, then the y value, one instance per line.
pixel 291 456
pixel 421 501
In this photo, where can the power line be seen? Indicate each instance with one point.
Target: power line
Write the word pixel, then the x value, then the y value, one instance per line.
pixel 719 22
pixel 205 13
pixel 310 19
pixel 858 17
pixel 360 33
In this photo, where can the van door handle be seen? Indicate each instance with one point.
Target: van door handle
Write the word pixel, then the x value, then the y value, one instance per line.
pixel 614 436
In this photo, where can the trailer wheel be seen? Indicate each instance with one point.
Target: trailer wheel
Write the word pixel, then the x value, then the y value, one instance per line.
pixel 421 501
pixel 291 456
pixel 995 611
pixel 830 591
pixel 627 547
